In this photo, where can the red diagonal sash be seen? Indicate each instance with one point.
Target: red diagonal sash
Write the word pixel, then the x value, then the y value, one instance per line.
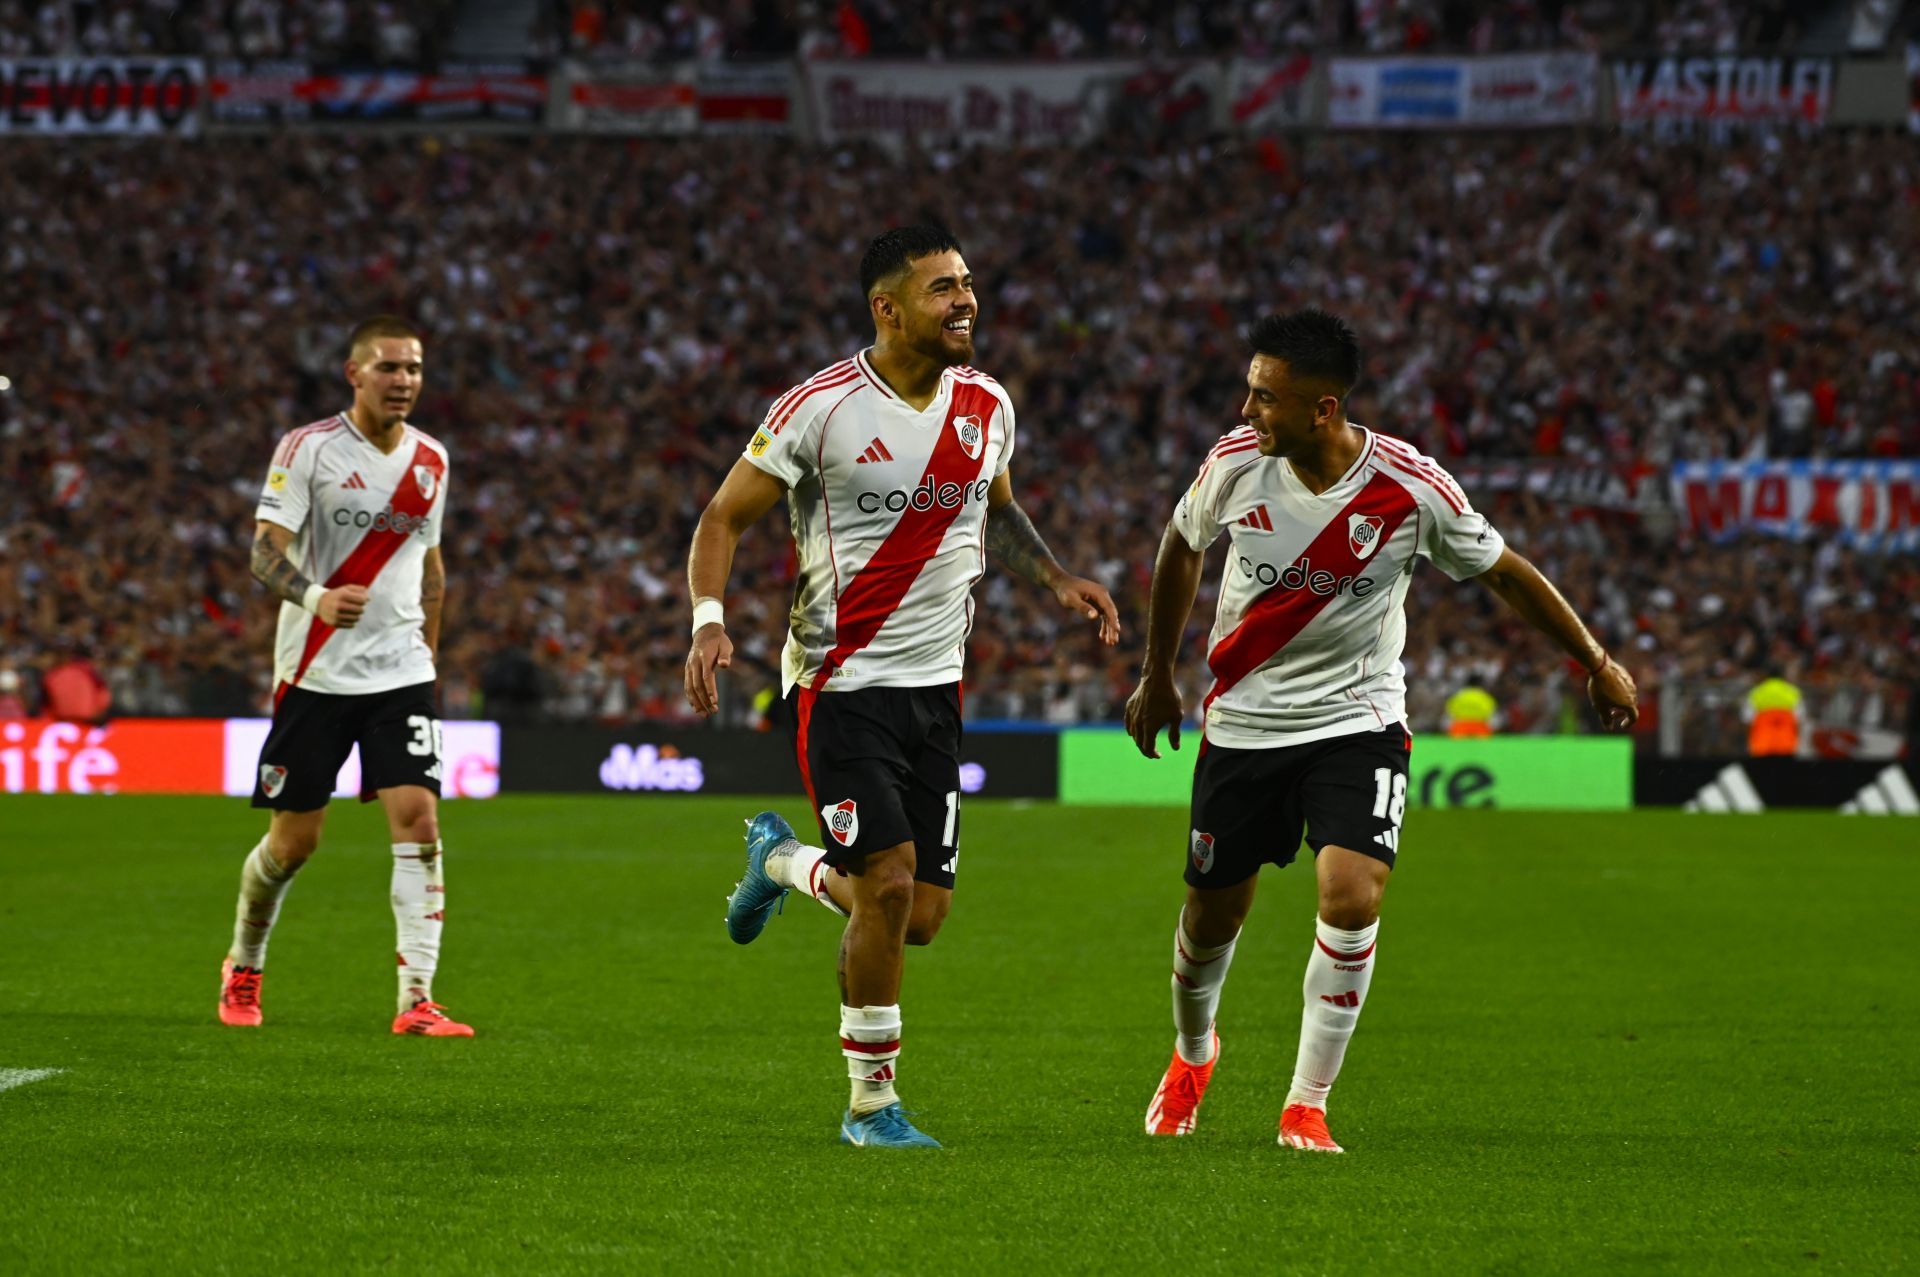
pixel 876 589
pixel 377 546
pixel 1278 615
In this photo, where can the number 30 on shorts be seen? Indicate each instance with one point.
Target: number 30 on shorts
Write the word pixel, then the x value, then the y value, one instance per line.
pixel 1389 804
pixel 427 741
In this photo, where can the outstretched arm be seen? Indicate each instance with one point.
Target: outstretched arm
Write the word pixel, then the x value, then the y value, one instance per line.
pixel 339 607
pixel 1016 543
pixel 747 494
pixel 1156 703
pixel 1521 586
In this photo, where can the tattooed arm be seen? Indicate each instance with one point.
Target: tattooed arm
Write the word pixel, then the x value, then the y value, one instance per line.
pixel 1012 539
pixel 339 607
pixel 433 589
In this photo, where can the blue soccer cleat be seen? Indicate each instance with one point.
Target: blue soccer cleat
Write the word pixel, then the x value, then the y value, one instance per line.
pixel 756 896
pixel 883 1128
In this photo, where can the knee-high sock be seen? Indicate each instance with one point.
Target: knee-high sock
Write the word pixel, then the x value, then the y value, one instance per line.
pixel 1338 973
pixel 263 884
pixel 870 1039
pixel 803 868
pixel 419 912
pixel 1198 974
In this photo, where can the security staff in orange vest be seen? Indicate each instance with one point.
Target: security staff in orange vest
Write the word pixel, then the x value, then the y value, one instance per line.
pixel 1773 718
pixel 1470 712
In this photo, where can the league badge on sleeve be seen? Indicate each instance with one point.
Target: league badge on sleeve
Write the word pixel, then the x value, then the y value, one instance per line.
pixel 972 435
pixel 427 479
pixel 843 821
pixel 761 442
pixel 1363 534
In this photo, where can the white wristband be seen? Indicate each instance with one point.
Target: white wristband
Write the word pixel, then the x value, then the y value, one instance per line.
pixel 311 599
pixel 708 611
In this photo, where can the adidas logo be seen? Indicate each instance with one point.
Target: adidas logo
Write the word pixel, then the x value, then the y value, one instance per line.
pixel 1256 519
pixel 355 481
pixel 1888 794
pixel 1731 790
pixel 1351 998
pixel 876 451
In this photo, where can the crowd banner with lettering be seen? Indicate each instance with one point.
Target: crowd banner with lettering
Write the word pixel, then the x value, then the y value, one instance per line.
pixel 1874 505
pixel 1682 94
pixel 1502 91
pixel 1264 97
pixel 644 98
pixel 100 95
pixel 992 102
pixel 273 93
pixel 1565 483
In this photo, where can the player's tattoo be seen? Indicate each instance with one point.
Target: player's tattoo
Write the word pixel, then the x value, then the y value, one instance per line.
pixel 275 571
pixel 433 580
pixel 1012 539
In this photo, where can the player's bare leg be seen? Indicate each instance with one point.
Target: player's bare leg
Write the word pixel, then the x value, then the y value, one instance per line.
pixel 872 953
pixel 1339 971
pixel 1203 944
pixel 419 908
pixel 265 875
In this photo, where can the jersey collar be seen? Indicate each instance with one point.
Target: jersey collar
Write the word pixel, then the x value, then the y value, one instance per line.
pixel 1346 480
pixel 879 383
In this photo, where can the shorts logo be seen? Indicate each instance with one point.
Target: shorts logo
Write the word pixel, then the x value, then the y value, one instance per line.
pixel 1202 852
pixel 971 435
pixel 428 481
pixel 1363 533
pixel 843 821
pixel 273 780
pixel 761 442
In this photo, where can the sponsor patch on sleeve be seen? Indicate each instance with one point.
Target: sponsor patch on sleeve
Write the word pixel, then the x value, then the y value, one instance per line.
pixel 761 442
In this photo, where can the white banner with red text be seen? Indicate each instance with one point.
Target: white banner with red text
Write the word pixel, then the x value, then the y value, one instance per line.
pixel 100 95
pixel 649 99
pixel 1513 90
pixel 1874 505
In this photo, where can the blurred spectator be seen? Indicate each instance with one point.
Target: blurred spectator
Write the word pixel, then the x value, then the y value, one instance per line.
pixel 361 32
pixel 13 698
pixel 74 690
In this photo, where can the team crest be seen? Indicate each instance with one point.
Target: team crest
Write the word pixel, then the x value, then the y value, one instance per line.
pixel 972 435
pixel 843 821
pixel 1363 534
pixel 1202 851
pixel 428 481
pixel 273 780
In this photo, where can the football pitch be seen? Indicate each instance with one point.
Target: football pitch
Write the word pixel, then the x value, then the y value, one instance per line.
pixel 1644 1042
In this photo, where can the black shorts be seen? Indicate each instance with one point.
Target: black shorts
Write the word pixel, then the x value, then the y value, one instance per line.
pixel 398 733
pixel 882 767
pixel 1250 806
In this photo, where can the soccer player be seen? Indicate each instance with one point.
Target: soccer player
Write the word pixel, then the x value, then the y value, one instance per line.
pixel 348 536
pixel 894 466
pixel 1304 726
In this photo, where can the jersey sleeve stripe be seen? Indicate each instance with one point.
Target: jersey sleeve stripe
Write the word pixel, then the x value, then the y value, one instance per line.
pixel 1420 465
pixel 1400 472
pixel 807 392
pixel 298 439
pixel 788 397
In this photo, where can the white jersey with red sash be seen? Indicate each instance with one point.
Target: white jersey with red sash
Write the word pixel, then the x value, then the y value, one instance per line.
pixel 1310 622
pixel 889 509
pixel 359 516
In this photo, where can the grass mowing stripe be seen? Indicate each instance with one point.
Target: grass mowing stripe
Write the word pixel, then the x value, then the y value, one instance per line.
pixel 10 1078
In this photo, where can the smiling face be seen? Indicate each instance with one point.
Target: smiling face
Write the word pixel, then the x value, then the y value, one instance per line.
pixel 1286 412
pixel 385 374
pixel 929 308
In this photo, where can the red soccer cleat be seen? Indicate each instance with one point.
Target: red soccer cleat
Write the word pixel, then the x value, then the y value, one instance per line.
pixel 240 994
pixel 1180 1093
pixel 1304 1127
pixel 429 1020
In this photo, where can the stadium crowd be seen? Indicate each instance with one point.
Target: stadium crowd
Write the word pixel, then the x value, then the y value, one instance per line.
pixel 607 321
pixel 358 32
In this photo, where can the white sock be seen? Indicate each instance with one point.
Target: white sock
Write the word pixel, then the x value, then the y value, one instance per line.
pixel 1338 974
pixel 803 868
pixel 263 884
pixel 1198 974
pixel 870 1039
pixel 419 912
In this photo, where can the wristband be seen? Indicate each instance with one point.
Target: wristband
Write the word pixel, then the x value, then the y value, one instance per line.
pixel 1600 669
pixel 311 599
pixel 708 610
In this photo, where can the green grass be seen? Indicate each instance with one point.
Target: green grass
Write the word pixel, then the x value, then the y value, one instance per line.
pixel 1635 1043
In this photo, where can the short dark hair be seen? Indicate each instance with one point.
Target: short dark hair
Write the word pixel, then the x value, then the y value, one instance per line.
pixel 893 251
pixel 379 326
pixel 1314 344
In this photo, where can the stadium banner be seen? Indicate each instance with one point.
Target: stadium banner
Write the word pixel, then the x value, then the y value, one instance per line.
pixel 649 99
pixel 1872 505
pixel 1567 483
pixel 1855 787
pixel 659 758
pixel 1537 773
pixel 1006 102
pixel 1267 96
pixel 282 92
pixel 1678 95
pixel 1498 91
pixel 123 756
pixel 100 95
pixel 469 759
